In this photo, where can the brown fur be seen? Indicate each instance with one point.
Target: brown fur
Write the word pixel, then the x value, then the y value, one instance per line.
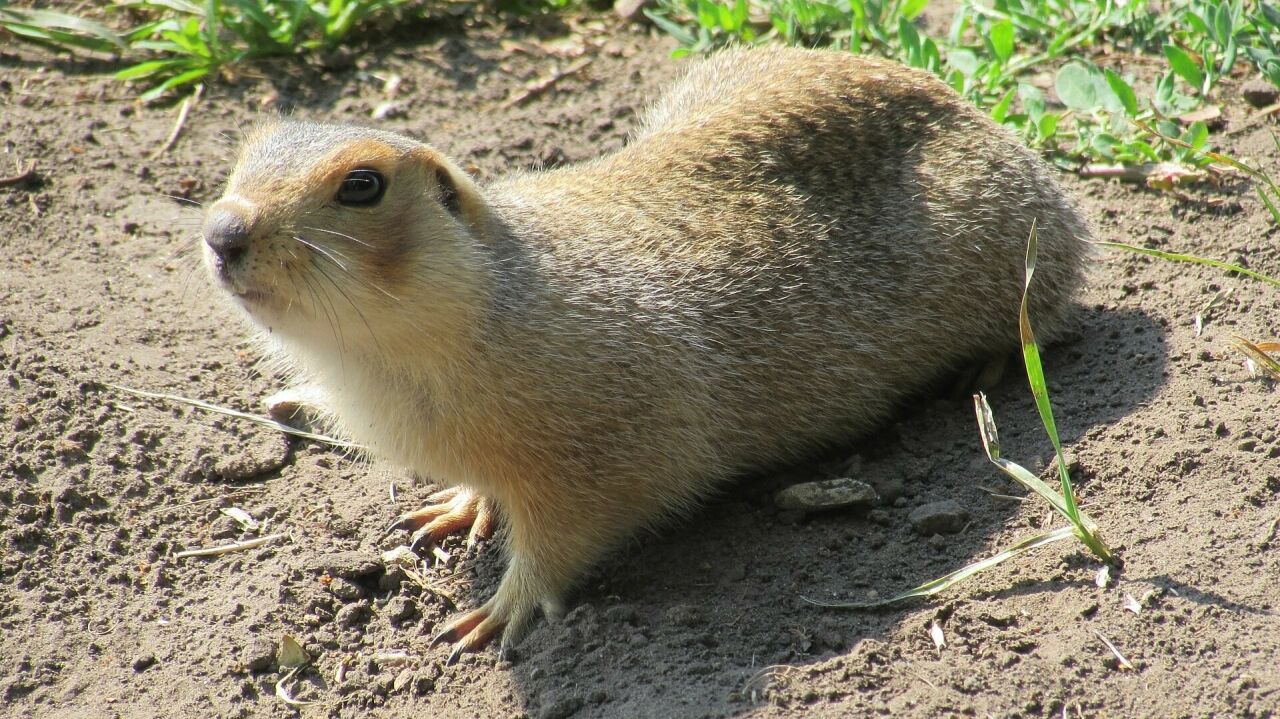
pixel 793 243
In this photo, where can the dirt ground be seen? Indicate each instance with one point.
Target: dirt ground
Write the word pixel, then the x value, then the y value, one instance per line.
pixel 1176 443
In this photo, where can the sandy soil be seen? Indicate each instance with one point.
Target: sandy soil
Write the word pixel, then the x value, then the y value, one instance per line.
pixel 1176 444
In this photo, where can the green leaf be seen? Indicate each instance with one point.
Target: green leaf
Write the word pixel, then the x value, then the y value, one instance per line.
pixel 175 81
pixel 1123 91
pixel 912 8
pixel 56 38
pixel 1105 144
pixel 50 20
pixel 1001 37
pixel 1032 100
pixel 1001 109
pixel 1196 136
pixel 1048 125
pixel 1076 87
pixel 1184 66
pixel 672 28
pixel 151 67
pixel 966 61
pixel 1222 33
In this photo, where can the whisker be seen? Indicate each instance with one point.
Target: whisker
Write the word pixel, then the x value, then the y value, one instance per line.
pixel 340 234
pixel 315 247
pixel 324 252
pixel 179 198
pixel 354 306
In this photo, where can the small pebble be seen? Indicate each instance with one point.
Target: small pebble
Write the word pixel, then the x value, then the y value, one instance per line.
pixel 258 654
pixel 400 608
pixel 352 614
pixel 1259 92
pixel 348 565
pixel 826 495
pixel 684 615
pixel 621 614
pixel 345 589
pixel 143 661
pixel 945 517
pixel 562 708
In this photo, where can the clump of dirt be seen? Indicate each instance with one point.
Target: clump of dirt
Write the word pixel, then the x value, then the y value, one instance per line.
pixel 1175 441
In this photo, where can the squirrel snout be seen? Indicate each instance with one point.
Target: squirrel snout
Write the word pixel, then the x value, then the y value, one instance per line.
pixel 227 234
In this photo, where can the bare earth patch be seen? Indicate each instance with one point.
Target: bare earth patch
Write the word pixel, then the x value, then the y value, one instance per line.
pixel 1177 447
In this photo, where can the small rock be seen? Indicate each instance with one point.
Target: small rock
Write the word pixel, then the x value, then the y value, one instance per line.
pixel 562 708
pixel 1259 92
pixel 628 9
pixel 248 464
pixel 423 683
pixel 143 661
pixel 258 654
pixel 1073 467
pixel 402 680
pixel 400 608
pixel 345 589
pixel 946 517
pixel 224 527
pixel 352 614
pixel 825 495
pixel 621 614
pixel 880 517
pixel 685 615
pixel 348 565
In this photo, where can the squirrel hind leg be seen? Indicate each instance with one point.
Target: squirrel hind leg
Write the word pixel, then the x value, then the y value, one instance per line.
pixel 545 558
pixel 508 612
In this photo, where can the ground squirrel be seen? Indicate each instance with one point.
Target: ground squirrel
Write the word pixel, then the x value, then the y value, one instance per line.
pixel 792 243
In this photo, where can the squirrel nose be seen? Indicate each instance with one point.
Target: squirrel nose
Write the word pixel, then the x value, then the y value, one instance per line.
pixel 227 234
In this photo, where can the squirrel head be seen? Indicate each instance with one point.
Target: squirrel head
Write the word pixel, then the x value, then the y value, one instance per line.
pixel 333 237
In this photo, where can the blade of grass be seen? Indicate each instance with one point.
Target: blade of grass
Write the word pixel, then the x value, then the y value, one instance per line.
pixel 942 583
pixel 1086 531
pixel 48 20
pixel 1182 257
pixel 1257 353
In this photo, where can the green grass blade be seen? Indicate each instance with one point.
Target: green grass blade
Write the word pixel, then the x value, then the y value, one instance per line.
pixel 149 68
pixel 51 21
pixel 943 583
pixel 1035 374
pixel 1086 530
pixel 177 80
pixel 1181 257
pixel 1271 206
pixel 1016 472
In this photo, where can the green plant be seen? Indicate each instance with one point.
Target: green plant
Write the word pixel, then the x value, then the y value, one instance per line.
pixel 990 49
pixel 181 42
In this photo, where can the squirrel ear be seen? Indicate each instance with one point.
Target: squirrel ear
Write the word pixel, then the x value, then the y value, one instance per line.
pixel 448 191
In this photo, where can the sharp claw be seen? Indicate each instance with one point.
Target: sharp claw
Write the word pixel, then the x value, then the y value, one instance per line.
pixel 418 537
pixel 398 524
pixel 453 655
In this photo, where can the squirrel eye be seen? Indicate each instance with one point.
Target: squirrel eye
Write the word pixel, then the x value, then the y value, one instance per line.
pixel 362 187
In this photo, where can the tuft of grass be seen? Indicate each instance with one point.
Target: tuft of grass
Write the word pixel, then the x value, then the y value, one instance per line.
pixel 182 42
pixel 992 53
pixel 1080 525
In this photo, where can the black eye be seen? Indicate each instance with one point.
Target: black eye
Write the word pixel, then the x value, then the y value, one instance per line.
pixel 362 187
